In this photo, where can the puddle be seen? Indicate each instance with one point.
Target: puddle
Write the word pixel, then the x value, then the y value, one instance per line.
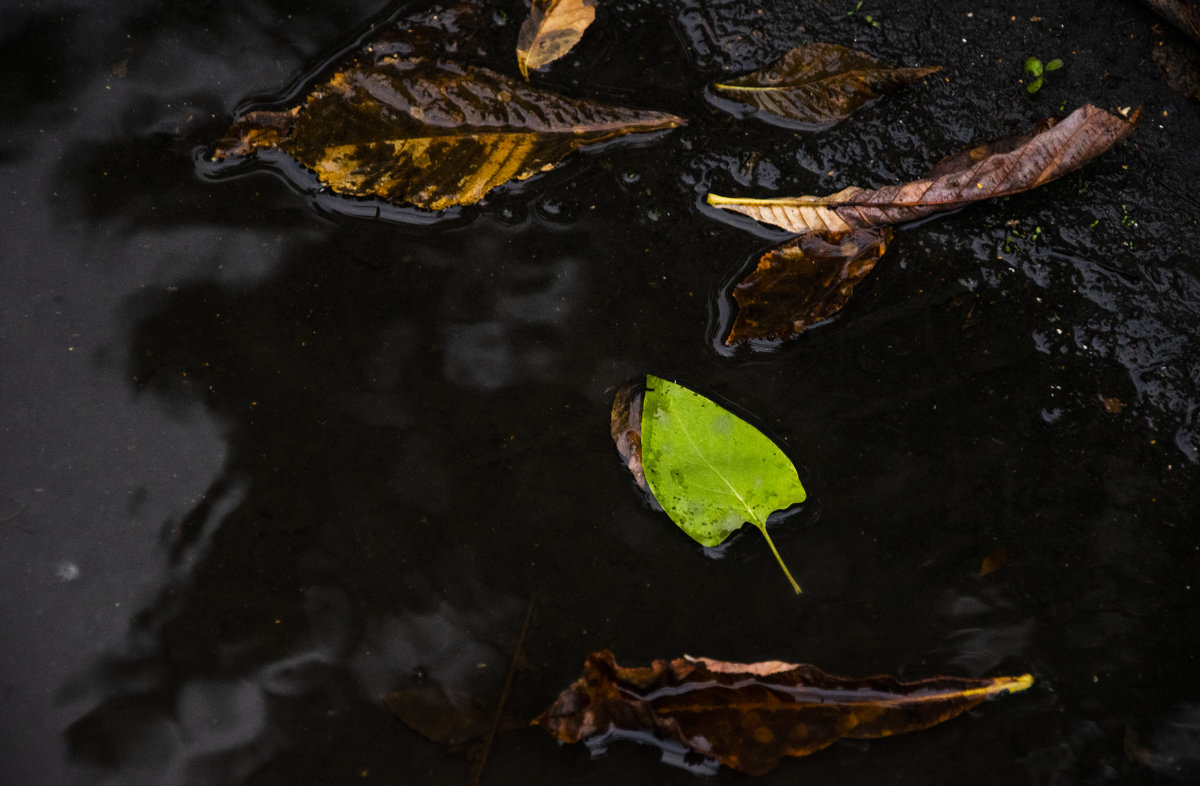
pixel 274 454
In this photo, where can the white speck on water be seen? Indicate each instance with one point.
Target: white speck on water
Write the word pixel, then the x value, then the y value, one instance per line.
pixel 66 570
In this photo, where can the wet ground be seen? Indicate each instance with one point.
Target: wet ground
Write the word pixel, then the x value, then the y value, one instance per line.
pixel 267 460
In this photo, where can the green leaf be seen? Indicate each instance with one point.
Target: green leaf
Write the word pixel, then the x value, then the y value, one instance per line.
pixel 710 470
pixel 1054 65
pixel 1033 66
pixel 1035 85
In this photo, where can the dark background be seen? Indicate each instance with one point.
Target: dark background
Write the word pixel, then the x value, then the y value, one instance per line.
pixel 265 461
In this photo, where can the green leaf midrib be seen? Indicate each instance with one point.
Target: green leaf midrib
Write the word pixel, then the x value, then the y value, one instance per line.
pixel 753 518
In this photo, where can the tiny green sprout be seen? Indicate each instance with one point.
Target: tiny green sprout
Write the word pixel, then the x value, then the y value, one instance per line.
pixel 871 20
pixel 1037 71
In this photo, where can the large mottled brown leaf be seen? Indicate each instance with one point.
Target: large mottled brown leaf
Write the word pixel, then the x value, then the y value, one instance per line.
pixel 1184 14
pixel 431 134
pixel 1007 167
pixel 802 282
pixel 552 29
pixel 816 85
pixel 750 715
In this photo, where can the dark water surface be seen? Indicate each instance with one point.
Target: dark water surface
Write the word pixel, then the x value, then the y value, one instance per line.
pixel 265 461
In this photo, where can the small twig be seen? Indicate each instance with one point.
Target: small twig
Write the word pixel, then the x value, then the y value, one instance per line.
pixel 9 518
pixel 508 680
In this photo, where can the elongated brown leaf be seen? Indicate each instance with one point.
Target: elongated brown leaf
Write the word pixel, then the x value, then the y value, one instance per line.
pixel 553 28
pixel 429 134
pixel 750 715
pixel 816 85
pixel 985 172
pixel 803 282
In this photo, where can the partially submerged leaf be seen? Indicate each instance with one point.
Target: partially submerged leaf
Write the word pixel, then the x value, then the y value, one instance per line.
pixel 816 85
pixel 991 170
pixel 1184 14
pixel 552 29
pixel 441 716
pixel 802 282
pixel 748 716
pixel 430 134
pixel 996 559
pixel 625 425
pixel 710 470
pixel 1180 68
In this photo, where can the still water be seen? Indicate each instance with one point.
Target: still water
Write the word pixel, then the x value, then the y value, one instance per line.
pixel 268 457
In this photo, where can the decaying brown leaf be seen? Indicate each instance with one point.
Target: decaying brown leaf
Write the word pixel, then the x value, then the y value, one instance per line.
pixel 441 716
pixel 1184 14
pixel 996 559
pixel 816 85
pixel 996 169
pixel 1112 405
pixel 625 425
pixel 1180 68
pixel 552 29
pixel 803 282
pixel 431 134
pixel 750 715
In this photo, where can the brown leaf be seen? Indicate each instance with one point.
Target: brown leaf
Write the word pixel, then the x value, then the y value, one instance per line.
pixel 1180 68
pixel 750 715
pixel 431 134
pixel 1184 14
pixel 816 85
pixel 1112 405
pixel 625 425
pixel 803 282
pixel 443 716
pixel 996 559
pixel 1010 166
pixel 552 29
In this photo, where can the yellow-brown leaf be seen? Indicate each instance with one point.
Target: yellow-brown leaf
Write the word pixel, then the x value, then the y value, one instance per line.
pixel 750 715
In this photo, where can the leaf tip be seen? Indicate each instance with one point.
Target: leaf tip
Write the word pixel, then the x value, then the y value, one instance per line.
pixel 1021 683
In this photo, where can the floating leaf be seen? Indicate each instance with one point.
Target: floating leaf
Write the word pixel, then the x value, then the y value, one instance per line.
pixel 1010 166
pixel 431 134
pixel 748 716
pixel 710 470
pixel 816 85
pixel 803 282
pixel 552 29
